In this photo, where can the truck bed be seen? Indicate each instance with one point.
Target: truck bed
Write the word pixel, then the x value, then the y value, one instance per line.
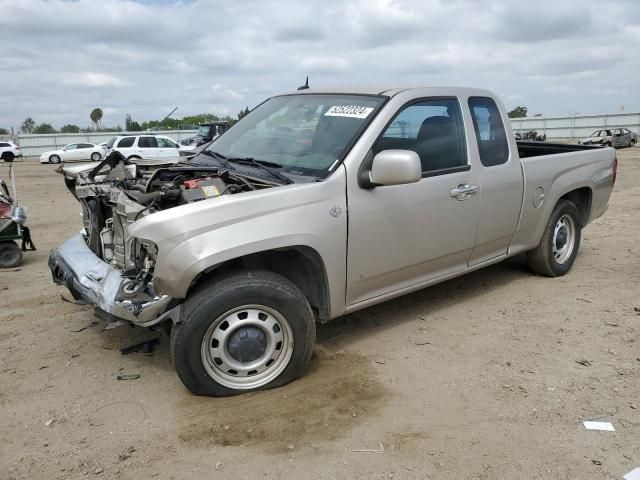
pixel 537 149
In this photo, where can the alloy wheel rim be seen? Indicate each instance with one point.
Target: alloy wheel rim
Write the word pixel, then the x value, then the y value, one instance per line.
pixel 247 347
pixel 564 239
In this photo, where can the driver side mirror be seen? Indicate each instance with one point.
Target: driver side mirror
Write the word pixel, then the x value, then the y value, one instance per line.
pixel 392 167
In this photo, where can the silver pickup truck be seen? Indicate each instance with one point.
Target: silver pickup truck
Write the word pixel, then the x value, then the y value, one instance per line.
pixel 317 204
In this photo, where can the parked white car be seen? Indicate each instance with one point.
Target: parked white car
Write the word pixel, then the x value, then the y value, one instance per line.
pixel 149 147
pixel 75 152
pixel 9 151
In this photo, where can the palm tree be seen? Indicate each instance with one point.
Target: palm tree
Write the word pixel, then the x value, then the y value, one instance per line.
pixel 96 117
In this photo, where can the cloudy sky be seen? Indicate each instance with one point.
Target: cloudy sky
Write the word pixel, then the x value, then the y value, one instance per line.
pixel 59 59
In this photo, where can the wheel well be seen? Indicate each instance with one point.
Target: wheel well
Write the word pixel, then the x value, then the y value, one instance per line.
pixel 581 197
pixel 302 265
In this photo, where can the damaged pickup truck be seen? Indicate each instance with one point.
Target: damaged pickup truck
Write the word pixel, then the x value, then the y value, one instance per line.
pixel 317 204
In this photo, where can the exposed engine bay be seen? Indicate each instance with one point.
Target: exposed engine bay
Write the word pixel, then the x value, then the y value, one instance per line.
pixel 118 192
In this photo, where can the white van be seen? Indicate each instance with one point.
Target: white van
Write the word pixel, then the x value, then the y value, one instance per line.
pixel 148 147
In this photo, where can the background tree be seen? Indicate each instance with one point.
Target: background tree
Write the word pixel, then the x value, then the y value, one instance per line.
pixel 28 125
pixel 4 131
pixel 44 128
pixel 96 117
pixel 131 125
pixel 243 113
pixel 518 112
pixel 70 129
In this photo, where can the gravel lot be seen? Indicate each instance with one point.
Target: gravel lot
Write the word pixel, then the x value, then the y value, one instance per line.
pixel 476 378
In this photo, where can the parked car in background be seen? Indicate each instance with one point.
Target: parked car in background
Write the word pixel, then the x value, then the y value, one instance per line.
pixel 315 205
pixel 9 151
pixel 206 133
pixel 148 147
pixel 531 135
pixel 617 138
pixel 75 152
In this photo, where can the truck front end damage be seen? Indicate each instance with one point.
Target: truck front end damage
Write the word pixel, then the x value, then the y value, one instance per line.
pixel 113 295
pixel 107 267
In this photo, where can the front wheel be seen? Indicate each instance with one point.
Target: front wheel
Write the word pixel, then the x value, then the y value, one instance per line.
pixel 95 156
pixel 54 159
pixel 8 157
pixel 250 330
pixel 560 242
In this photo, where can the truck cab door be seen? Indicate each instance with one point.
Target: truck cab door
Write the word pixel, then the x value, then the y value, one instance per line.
pixel 401 236
pixel 501 181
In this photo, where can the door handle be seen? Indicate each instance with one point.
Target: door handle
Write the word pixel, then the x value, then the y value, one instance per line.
pixel 464 191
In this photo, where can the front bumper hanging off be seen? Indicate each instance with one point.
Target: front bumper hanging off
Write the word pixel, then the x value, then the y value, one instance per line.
pixel 88 277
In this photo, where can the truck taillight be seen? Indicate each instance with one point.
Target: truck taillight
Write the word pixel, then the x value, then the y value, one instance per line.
pixel 615 169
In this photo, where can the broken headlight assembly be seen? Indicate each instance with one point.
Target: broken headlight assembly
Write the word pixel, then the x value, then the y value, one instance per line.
pixel 146 253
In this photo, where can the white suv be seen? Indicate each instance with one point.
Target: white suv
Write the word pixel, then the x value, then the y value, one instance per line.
pixel 9 151
pixel 147 146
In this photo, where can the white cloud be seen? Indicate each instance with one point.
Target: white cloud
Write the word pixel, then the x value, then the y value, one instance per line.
pixel 63 58
pixel 93 79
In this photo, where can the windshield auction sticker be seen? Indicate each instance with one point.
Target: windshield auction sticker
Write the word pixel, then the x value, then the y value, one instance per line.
pixel 352 111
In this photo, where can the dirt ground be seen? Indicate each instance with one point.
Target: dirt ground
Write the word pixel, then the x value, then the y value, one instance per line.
pixel 475 378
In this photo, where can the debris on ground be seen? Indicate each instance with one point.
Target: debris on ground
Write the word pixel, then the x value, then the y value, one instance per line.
pixel 144 347
pixel 603 426
pixel 586 363
pixel 370 450
pixel 126 453
pixel 49 422
pixel 79 329
pixel 116 324
pixel 596 462
pixel 128 376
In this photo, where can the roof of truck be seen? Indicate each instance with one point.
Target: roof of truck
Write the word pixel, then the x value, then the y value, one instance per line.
pixel 389 91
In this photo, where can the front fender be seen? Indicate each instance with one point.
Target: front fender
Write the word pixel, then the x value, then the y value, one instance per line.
pixel 194 238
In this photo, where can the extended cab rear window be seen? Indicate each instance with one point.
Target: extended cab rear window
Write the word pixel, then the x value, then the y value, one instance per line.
pixel 490 134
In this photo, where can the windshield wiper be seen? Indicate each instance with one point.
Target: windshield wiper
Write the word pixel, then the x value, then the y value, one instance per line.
pixel 264 165
pixel 218 157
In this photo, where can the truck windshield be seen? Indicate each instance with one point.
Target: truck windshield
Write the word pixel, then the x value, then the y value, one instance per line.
pixel 305 134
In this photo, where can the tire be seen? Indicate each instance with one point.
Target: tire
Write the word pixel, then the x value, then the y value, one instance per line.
pixel 228 343
pixel 134 157
pixel 633 143
pixel 96 157
pixel 608 144
pixel 54 159
pixel 10 255
pixel 8 157
pixel 550 257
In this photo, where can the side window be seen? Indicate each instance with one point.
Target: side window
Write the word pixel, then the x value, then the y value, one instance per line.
pixel 4 144
pixel 490 133
pixel 85 145
pixel 126 142
pixel 431 128
pixel 72 146
pixel 147 142
pixel 166 143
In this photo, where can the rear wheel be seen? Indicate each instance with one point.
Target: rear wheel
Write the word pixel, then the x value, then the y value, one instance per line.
pixel 558 248
pixel 633 142
pixel 249 330
pixel 8 157
pixel 95 156
pixel 10 255
pixel 54 159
